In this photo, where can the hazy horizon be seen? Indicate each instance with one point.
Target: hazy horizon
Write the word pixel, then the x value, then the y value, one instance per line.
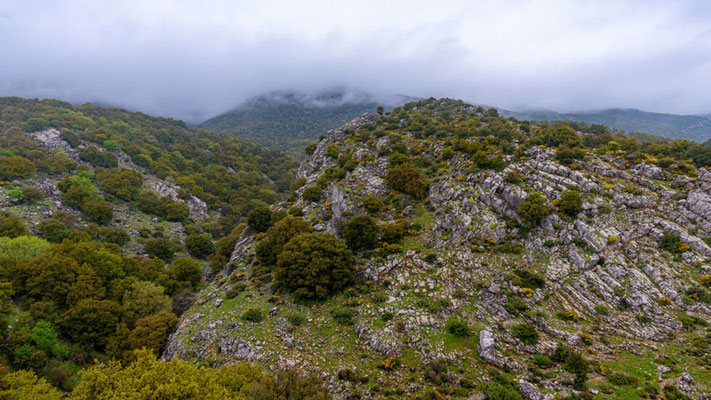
pixel 193 60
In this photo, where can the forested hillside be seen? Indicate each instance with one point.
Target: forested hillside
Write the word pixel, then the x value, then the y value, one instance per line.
pixel 110 221
pixel 288 121
pixel 691 127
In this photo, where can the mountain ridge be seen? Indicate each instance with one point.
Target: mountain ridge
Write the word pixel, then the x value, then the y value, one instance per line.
pixel 674 126
pixel 502 254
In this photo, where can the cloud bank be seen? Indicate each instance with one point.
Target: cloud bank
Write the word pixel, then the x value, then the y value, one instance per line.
pixel 194 59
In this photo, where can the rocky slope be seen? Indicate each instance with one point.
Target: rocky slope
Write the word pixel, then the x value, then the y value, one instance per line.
pixel 622 282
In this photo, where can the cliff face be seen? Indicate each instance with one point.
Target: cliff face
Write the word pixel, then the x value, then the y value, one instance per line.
pixel 622 282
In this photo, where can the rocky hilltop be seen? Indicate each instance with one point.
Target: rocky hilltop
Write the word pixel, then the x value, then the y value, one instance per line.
pixel 511 259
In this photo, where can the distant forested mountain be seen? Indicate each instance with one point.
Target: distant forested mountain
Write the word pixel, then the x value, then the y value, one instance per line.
pixel 692 127
pixel 289 120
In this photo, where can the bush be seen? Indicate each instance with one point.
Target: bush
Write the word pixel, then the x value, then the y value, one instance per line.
pixel 458 327
pixel 497 391
pixel 602 310
pixel 671 243
pixel 176 211
pixel 98 211
pixel 297 319
pixel 76 196
pixel 11 226
pixel 394 232
pixel 259 219
pixel 123 184
pixel 533 209
pixel 187 270
pixel 54 229
pixel 373 204
pixel 570 203
pixel 297 384
pixel 343 315
pixel 16 167
pixel 360 233
pixel 268 249
pixel 436 372
pixel 114 235
pixel 622 379
pixel 97 157
pixel 199 246
pixel 525 333
pixel 31 194
pixel 253 315
pixel 407 178
pixel 314 265
pixel 312 193
pixel 332 150
pixel 527 279
pixel 348 375
pixel 161 248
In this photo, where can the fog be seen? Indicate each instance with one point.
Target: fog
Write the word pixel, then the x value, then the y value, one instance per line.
pixel 194 59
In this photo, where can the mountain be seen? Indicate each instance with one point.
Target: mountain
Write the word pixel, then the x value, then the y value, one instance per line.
pixel 109 220
pixel 442 251
pixel 692 127
pixel 290 120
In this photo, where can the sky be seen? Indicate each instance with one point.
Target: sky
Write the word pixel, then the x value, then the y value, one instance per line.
pixel 195 59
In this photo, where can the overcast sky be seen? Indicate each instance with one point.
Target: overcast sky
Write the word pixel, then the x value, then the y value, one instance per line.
pixel 194 59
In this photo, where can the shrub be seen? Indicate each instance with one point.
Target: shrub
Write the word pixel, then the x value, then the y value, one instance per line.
pixel 373 204
pixel 528 279
pixel 533 209
pixel 576 364
pixel 671 243
pixel 291 381
pixel 458 327
pixel 31 194
pixel 187 270
pixel 16 167
pixel 123 184
pixel 268 249
pixel 176 211
pixel 11 226
pixel 297 319
pixel 343 315
pixel 259 219
pixel 312 193
pixel 76 196
pixel 98 211
pixel 622 379
pixel 235 291
pixel 114 235
pixel 497 391
pixel 309 149
pixel 436 372
pixel 394 232
pixel 360 233
pixel 54 229
pixel 199 246
pixel 570 203
pixel 97 157
pixel 161 248
pixel 348 374
pixel 407 178
pixel 602 310
pixel 525 333
pixel 253 315
pixel 314 265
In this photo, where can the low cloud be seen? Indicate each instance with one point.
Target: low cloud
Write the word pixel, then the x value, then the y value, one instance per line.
pixel 193 59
